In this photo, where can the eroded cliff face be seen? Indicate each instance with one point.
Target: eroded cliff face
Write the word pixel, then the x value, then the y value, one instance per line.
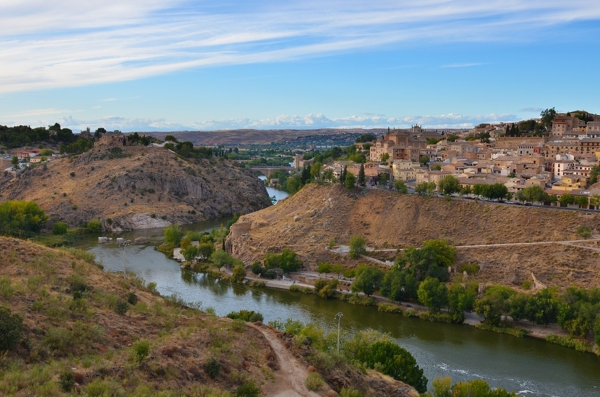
pixel 309 220
pixel 138 188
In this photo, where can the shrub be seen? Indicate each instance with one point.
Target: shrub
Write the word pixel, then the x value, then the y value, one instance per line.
pixel 94 226
pixel 60 228
pixel 57 339
pixel 121 307
pixel 584 231
pixel 270 274
pixel 314 381
pixel 350 392
pixel 173 234
pixel 471 268
pixel 239 274
pixel 526 284
pixel 246 315
pixel 248 389
pixel 21 218
pixel 257 268
pixel 66 381
pixel 11 329
pixel 152 287
pixel 389 308
pixel 357 247
pixel 132 298
pixel 212 368
pixel 141 349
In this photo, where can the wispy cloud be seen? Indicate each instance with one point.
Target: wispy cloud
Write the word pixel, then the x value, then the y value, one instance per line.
pixel 532 110
pixel 463 65
pixel 45 44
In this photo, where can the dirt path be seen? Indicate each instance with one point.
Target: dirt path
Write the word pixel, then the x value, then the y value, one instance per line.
pixel 289 379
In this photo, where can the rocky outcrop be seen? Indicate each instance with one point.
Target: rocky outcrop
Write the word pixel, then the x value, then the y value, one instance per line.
pixel 138 188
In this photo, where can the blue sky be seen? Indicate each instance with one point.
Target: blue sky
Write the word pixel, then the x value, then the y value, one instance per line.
pixel 151 65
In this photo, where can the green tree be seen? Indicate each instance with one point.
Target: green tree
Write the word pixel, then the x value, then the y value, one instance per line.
pixel 595 200
pixel 190 252
pixel 11 329
pixel 94 226
pixel 597 330
pixel 542 308
pixel 315 170
pixel 350 180
pixel 361 175
pixel 384 179
pixel 257 268
pixel 21 218
pixel 445 252
pixel 60 228
pixel 518 306
pixel 392 360
pixel 221 258
pixel 594 174
pixel 15 162
pixel 367 280
pixel 399 285
pixel 494 304
pixel 328 174
pixel 433 294
pixel 239 273
pixel 424 160
pixel 449 184
pixel 286 261
pixel 460 299
pixel 400 186
pixel 533 194
pixel 205 250
pixel 581 201
pixel 173 234
pixel 357 247
pixel 324 267
pixel 425 188
pixel 546 118
pixel 566 199
pixel 385 157
pixel 337 269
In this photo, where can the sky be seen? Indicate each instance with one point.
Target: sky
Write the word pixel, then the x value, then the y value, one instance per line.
pixel 169 65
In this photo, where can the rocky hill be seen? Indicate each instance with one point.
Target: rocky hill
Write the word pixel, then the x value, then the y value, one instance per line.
pixel 137 187
pixel 106 335
pixel 309 220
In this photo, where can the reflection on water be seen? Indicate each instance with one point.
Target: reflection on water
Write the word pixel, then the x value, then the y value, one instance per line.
pixel 463 352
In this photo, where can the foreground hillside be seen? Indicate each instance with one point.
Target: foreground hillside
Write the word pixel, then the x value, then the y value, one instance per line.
pixel 137 187
pixel 104 335
pixel 309 220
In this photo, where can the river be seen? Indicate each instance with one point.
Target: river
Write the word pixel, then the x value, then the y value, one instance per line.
pixel 528 366
pixel 275 194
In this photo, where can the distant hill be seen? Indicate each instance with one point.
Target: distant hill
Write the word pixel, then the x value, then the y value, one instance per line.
pixel 316 215
pixel 137 187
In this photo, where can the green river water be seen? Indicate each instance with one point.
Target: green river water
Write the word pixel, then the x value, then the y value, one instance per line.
pixel 528 366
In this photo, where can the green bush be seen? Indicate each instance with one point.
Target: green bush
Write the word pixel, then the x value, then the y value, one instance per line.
pixel 257 268
pixel 60 228
pixel 21 218
pixel 94 226
pixel 314 381
pixel 121 307
pixel 350 392
pixel 584 231
pixel 141 349
pixel 132 298
pixel 239 274
pixel 246 315
pixel 11 329
pixel 57 339
pixel 518 332
pixel 357 247
pixel 270 274
pixel 248 389
pixel 66 381
pixel 471 268
pixel 389 308
pixel 567 341
pixel 436 317
pixel 212 368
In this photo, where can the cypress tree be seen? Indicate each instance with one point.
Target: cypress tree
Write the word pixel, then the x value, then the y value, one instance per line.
pixel 361 175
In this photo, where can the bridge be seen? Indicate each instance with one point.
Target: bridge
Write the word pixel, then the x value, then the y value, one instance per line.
pixel 268 170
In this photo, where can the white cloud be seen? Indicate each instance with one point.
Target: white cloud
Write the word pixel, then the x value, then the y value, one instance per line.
pixel 45 44
pixel 310 121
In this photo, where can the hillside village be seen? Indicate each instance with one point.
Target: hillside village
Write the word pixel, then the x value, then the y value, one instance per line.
pixel 562 161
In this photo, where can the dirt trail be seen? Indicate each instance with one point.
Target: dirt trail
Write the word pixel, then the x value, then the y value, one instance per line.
pixel 289 379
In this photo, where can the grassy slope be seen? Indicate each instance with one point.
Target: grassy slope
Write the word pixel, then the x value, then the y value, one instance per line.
pixel 307 221
pixel 97 342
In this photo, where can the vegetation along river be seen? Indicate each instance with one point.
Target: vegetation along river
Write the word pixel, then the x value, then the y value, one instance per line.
pixel 529 366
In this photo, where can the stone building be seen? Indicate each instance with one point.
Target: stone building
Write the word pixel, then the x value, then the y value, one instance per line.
pixel 114 139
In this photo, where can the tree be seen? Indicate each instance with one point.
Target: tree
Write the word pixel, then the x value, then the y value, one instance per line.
pixel 257 268
pixel 328 174
pixel 494 304
pixel 350 180
pixel 533 194
pixel 594 174
pixel 21 218
pixel 595 200
pixel 368 279
pixel 399 285
pixel 425 188
pixel 433 294
pixel 357 246
pixel 518 305
pixel 392 360
pixel 173 234
pixel 581 201
pixel 11 329
pixel 343 175
pixel 15 163
pixel 385 157
pixel 445 252
pixel 449 184
pixel 324 267
pixel 566 199
pixel 424 160
pixel 400 186
pixel 337 269
pixel 221 258
pixel 465 190
pixel 286 261
pixel 597 330
pixel 546 118
pixel 60 228
pixel 422 263
pixel 190 252
pixel 94 226
pixel 384 179
pixel 239 274
pixel 460 299
pixel 361 175
pixel 205 250
pixel 542 308
pixel 315 170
